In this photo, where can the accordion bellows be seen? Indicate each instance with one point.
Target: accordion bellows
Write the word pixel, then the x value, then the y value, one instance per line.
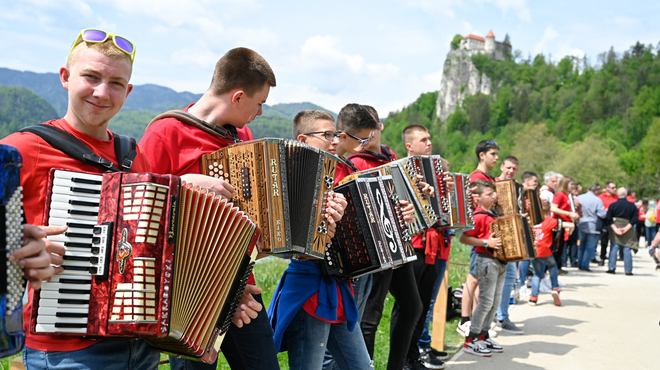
pixel 148 256
pixel 460 214
pixel 282 185
pixel 517 238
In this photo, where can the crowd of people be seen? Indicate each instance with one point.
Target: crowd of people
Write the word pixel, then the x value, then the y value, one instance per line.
pixel 323 322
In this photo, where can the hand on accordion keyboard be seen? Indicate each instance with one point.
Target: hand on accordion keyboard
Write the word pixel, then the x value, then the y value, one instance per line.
pixel 35 256
pixel 449 181
pixel 408 211
pixel 248 307
pixel 219 187
pixel 334 212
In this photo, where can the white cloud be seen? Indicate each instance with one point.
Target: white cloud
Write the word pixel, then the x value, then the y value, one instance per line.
pixel 198 56
pixel 440 7
pixel 519 6
pixel 548 35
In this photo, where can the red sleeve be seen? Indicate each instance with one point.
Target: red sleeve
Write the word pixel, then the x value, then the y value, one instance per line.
pixel 342 171
pixel 158 141
pixel 478 175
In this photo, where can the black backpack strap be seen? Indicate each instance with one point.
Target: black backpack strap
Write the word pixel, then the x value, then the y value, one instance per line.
pixel 125 150
pixel 70 145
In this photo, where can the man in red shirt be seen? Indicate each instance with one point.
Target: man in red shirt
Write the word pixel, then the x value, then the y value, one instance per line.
pixel 509 168
pixel 96 77
pixel 608 197
pixel 487 156
pixel 240 86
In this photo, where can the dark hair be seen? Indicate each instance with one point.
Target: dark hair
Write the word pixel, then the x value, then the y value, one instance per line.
pixel 484 146
pixel 241 68
pixel 593 188
pixel 608 183
pixel 528 175
pixel 355 117
pixel 305 121
pixel 372 111
pixel 407 133
pixel 481 185
pixel 511 159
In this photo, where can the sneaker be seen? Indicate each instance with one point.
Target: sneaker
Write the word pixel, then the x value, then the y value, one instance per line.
pixel 601 263
pixel 464 329
pixel 629 273
pixel 476 348
pixel 533 300
pixel 610 272
pixel 560 283
pixel 508 327
pixel 419 365
pixel 491 345
pixel 438 354
pixel 562 272
pixel 429 361
pixel 555 297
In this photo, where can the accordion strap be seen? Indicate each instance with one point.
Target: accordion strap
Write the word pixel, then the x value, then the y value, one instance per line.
pixel 491 213
pixel 125 147
pixel 227 133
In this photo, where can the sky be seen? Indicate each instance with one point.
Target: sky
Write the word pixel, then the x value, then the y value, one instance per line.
pixel 381 53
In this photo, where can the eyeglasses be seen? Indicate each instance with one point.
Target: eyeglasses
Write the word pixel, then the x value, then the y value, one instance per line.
pixel 363 142
pixel 328 135
pixel 96 36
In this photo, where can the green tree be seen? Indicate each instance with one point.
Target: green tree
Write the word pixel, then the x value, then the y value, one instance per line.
pixel 456 41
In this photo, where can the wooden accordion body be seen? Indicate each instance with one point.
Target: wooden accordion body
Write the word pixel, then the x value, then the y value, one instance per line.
pixel 408 186
pixel 535 210
pixel 12 284
pixel 517 238
pixel 155 258
pixel 372 235
pixel 282 185
pixel 460 204
pixel 509 197
pixel 432 166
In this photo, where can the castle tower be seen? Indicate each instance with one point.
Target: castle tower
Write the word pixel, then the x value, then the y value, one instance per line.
pixel 489 46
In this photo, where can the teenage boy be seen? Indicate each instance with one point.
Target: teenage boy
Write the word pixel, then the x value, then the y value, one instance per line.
pixel 239 87
pixel 432 249
pixel 509 168
pixel 96 76
pixel 487 157
pixel 530 180
pixel 490 272
pixel 543 233
pixel 310 312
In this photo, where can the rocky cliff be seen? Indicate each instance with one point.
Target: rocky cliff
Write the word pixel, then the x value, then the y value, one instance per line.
pixel 460 78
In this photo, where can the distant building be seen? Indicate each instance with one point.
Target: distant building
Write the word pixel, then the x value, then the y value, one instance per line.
pixel 495 49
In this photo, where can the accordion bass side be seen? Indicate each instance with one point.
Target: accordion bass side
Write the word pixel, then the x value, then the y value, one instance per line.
pixel 509 197
pixel 147 256
pixel 460 203
pixel 12 285
pixel 432 166
pixel 282 185
pixel 517 238
pixel 535 210
pixel 372 235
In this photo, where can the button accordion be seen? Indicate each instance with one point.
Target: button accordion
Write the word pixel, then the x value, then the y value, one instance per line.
pixel 12 284
pixel 147 256
pixel 283 186
pixel 517 238
pixel 372 235
pixel 460 204
pixel 535 210
pixel 509 197
pixel 432 166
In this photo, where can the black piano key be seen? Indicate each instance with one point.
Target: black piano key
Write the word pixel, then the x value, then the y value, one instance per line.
pixel 82 213
pixel 70 314
pixel 76 268
pixel 72 301
pixel 75 258
pixel 69 325
pixel 93 270
pixel 78 235
pixel 96 240
pixel 74 281
pixel 94 260
pixel 83 203
pixel 77 245
pixel 96 250
pixel 86 181
pixel 80 226
pixel 74 291
pixel 83 190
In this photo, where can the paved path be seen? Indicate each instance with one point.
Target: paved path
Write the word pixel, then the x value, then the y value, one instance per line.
pixel 605 322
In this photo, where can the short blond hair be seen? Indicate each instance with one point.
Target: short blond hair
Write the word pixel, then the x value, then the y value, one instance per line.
pixel 305 121
pixel 107 48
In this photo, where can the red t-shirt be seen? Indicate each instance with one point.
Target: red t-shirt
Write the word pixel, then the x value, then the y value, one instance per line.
pixel 38 158
pixel 341 172
pixel 364 161
pixel 441 249
pixel 313 303
pixel 562 202
pixel 608 199
pixel 481 229
pixel 174 147
pixel 480 175
pixel 543 238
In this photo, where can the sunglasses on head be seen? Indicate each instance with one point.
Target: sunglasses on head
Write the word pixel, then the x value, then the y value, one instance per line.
pixel 96 36
pixel 363 142
pixel 490 142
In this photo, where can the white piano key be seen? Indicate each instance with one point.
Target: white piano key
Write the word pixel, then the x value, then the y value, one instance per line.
pixel 64 239
pixel 68 206
pixel 58 286
pixel 50 328
pixel 74 184
pixel 57 295
pixel 76 263
pixel 72 218
pixel 49 302
pixel 61 198
pixel 68 175
pixel 60 221
pixel 66 190
pixel 47 319
pixel 52 311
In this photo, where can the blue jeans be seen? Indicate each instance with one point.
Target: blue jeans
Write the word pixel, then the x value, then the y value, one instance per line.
pixel 587 250
pixel 650 234
pixel 524 267
pixel 250 347
pixel 539 273
pixel 107 354
pixel 509 280
pixel 308 337
pixel 490 275
pixel 425 340
pixel 627 257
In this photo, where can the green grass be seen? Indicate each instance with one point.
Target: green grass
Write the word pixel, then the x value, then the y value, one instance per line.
pixel 268 272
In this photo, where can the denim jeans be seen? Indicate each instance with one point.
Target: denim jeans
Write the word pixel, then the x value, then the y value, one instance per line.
pixel 249 347
pixel 570 250
pixel 490 275
pixel 539 273
pixel 524 267
pixel 627 257
pixel 425 338
pixel 308 338
pixel 107 354
pixel 509 281
pixel 587 250
pixel 650 234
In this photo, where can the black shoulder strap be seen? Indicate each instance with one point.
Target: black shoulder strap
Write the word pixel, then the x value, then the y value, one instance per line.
pixel 72 146
pixel 125 150
pixel 492 213
pixel 348 163
pixel 387 152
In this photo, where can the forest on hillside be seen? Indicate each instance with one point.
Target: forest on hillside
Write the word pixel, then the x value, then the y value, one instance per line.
pixel 596 123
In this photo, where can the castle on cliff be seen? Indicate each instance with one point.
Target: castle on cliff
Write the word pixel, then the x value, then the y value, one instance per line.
pixel 495 49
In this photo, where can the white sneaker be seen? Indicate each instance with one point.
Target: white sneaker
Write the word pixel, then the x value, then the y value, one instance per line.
pixel 545 286
pixel 464 329
pixel 560 283
pixel 492 333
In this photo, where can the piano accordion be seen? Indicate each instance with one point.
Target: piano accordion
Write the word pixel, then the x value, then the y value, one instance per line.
pixel 432 166
pixel 405 172
pixel 283 186
pixel 509 197
pixel 517 238
pixel 12 284
pixel 372 235
pixel 147 256
pixel 535 209
pixel 460 214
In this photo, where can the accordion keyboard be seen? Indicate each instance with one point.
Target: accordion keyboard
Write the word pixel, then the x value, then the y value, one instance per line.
pixel 64 300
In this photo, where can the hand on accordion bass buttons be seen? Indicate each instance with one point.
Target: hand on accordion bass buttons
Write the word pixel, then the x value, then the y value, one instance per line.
pixel 408 211
pixel 426 188
pixel 219 187
pixel 495 243
pixel 449 181
pixel 248 307
pixel 38 253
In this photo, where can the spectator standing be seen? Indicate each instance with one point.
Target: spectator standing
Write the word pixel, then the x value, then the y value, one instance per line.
pixel 547 192
pixel 650 223
pixel 621 216
pixel 563 208
pixel 608 197
pixel 593 211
